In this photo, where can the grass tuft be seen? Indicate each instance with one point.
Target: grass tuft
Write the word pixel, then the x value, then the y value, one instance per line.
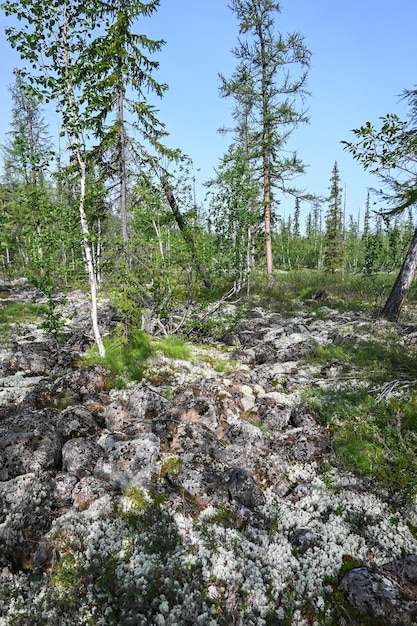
pixel 125 358
pixel 174 348
pixel 21 312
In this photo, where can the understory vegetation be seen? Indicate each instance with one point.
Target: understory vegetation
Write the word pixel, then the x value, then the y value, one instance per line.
pixel 366 391
pixel 370 410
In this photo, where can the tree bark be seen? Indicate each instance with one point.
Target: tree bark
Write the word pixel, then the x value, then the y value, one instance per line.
pixel 399 292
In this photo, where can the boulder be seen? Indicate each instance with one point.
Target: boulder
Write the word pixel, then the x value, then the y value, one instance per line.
pixel 80 455
pixel 130 462
pixel 76 421
pixel 380 595
pixel 145 404
pixel 87 490
pixel 274 415
pixel 29 442
pixel 242 488
pixel 80 386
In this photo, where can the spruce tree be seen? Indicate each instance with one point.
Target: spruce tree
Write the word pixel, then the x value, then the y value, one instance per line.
pixel 123 67
pixel 334 233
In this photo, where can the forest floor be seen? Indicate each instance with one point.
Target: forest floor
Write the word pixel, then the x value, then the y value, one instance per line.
pixel 262 469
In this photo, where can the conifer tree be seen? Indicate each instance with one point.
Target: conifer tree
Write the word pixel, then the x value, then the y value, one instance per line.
pixel 264 78
pixel 26 156
pixel 123 72
pixel 367 218
pixel 334 233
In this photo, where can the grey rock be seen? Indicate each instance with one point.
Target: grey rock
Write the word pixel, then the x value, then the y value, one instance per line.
pixel 87 490
pixel 62 488
pixel 197 410
pixel 80 455
pixel 304 538
pixel 145 404
pixel 116 416
pixel 265 353
pixel 29 442
pixel 81 386
pixel 380 595
pixel 75 422
pixel 405 569
pixel 302 416
pixel 242 487
pixel 35 358
pixel 200 484
pixel 130 462
pixel 197 442
pixel 16 388
pixel 274 415
pixel 244 434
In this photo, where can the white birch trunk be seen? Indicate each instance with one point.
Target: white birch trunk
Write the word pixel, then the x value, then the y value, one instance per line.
pixel 89 261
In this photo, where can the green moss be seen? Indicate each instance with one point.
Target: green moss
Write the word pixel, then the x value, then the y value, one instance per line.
pixel 172 465
pixel 373 437
pixel 378 361
pixel 309 289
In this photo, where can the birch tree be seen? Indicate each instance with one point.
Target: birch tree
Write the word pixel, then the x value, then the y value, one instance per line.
pixel 390 152
pixel 52 39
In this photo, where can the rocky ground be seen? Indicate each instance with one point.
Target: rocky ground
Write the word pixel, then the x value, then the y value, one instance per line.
pixel 204 495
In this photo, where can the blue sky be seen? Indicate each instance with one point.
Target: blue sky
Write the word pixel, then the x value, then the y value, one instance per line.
pixel 364 54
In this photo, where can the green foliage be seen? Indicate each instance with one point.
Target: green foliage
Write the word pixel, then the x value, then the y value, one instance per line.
pixel 174 348
pixel 54 321
pixel 216 326
pixel 376 361
pixel 235 212
pixel 172 465
pixel 313 289
pixel 126 358
pixel 374 432
pixel 17 312
pixel 269 88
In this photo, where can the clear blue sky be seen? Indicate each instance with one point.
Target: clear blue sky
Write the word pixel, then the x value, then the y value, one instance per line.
pixel 364 54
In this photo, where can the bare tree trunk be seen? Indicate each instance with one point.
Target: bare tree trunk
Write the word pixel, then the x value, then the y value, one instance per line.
pixel 267 225
pixel 399 292
pixel 182 225
pixel 158 236
pixel 40 249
